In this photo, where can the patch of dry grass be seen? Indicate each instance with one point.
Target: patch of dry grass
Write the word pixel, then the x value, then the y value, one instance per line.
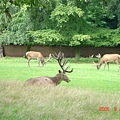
pixel 19 102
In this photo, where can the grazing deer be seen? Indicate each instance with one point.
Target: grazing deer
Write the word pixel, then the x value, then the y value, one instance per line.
pixel 57 79
pixel 107 58
pixel 38 56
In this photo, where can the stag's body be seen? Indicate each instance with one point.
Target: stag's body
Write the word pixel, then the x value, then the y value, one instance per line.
pixel 44 80
pixel 36 55
pixel 107 58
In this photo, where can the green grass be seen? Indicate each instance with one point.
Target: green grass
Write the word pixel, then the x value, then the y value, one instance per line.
pixel 84 76
pixel 80 99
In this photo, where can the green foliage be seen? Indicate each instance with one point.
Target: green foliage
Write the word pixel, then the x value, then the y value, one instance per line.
pixel 16 32
pixel 17 38
pixel 59 22
pixel 113 9
pixel 106 37
pixel 47 37
pixel 63 12
pixel 115 36
pixel 27 2
pixel 80 40
pixel 68 19
pixel 3 22
pixel 5 14
pixel 95 13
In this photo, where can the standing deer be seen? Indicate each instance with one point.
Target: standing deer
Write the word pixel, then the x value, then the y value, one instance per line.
pixel 106 59
pixel 57 79
pixel 38 56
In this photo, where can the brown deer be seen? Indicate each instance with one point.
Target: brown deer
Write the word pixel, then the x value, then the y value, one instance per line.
pixel 38 56
pixel 57 79
pixel 106 59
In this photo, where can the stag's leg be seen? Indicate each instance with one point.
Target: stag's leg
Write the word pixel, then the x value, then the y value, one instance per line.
pixel 117 62
pixel 38 62
pixel 28 60
pixel 118 68
pixel 105 66
pixel 108 65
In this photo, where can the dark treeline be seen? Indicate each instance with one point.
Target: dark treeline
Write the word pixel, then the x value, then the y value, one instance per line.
pixel 60 23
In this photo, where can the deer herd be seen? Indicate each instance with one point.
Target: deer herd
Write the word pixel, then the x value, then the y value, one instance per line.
pixel 45 80
pixel 62 61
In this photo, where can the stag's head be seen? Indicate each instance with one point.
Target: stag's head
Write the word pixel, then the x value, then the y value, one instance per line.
pixel 98 66
pixel 43 62
pixel 95 64
pixel 62 62
pixel 64 76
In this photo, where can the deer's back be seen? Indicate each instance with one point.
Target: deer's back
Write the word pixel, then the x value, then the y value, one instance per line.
pixel 110 57
pixel 34 54
pixel 40 80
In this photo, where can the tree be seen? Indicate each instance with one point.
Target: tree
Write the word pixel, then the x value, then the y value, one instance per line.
pixel 106 37
pixel 68 23
pixel 60 22
pixel 16 31
pixel 8 8
pixel 113 13
pixel 47 37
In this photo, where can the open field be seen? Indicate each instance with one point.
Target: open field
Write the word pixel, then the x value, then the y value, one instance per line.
pixel 91 94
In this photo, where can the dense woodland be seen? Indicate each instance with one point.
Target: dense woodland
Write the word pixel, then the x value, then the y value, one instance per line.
pixel 60 22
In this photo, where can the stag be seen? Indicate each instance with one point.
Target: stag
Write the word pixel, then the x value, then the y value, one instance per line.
pixel 106 59
pixel 57 79
pixel 36 55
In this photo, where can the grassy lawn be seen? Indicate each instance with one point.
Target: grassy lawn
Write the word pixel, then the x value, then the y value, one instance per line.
pixel 86 97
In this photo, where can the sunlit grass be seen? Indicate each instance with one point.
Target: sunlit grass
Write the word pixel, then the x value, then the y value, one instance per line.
pixel 81 99
pixel 84 76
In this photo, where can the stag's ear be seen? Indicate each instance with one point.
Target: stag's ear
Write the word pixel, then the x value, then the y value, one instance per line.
pixel 59 71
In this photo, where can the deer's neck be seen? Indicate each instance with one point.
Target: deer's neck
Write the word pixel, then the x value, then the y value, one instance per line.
pixel 56 79
pixel 100 62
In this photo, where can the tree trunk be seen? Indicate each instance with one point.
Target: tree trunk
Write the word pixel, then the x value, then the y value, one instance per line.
pixel 1 51
pixel 77 52
pixel 28 47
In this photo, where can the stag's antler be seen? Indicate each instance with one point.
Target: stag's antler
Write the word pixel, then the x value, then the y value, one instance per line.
pixel 98 56
pixel 59 57
pixel 91 57
pixel 48 58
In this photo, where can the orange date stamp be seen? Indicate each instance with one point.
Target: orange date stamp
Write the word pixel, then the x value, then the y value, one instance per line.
pixel 105 109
